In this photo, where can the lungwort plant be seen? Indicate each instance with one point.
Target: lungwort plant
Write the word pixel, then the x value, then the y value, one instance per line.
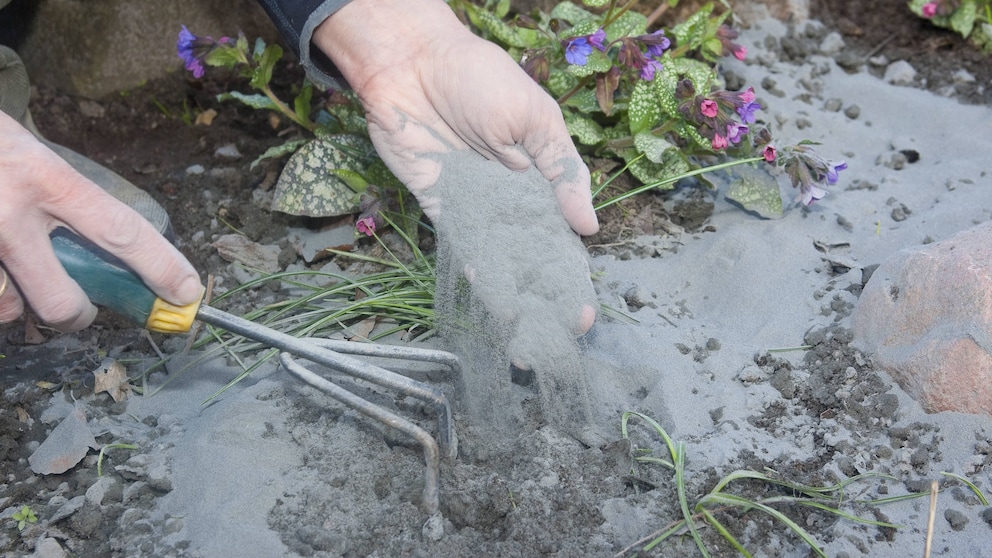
pixel 651 100
pixel 972 19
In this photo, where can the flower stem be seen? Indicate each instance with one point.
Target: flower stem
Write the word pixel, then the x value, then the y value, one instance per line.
pixel 674 179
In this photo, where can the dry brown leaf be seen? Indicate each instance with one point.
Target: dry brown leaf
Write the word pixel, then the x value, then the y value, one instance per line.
pixel 22 415
pixel 32 335
pixel 111 377
pixel 206 117
pixel 361 330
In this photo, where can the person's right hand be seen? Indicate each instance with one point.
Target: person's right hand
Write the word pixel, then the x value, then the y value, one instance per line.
pixel 39 192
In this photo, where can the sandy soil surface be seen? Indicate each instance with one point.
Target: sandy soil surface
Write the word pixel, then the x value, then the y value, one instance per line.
pixel 738 346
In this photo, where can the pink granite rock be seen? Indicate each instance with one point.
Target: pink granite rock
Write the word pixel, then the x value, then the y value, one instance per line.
pixel 926 318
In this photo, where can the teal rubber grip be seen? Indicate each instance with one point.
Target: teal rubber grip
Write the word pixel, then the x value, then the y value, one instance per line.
pixel 106 280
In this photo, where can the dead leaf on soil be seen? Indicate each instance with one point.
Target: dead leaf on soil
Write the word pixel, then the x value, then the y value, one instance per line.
pixel 361 330
pixel 206 117
pixel 111 377
pixel 32 335
pixel 22 415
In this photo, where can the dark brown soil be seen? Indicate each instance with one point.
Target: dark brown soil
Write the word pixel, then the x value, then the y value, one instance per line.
pixel 888 28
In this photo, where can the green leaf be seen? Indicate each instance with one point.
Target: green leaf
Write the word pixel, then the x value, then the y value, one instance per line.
pixel 259 48
pixel 673 164
pixel 263 73
pixel 256 101
pixel 597 62
pixel 755 190
pixel 315 182
pixel 571 13
pixel 224 57
pixel 506 34
pixel 691 32
pixel 354 180
pixel 561 82
pixel 643 111
pixel 301 104
pixel 963 18
pixel 502 8
pixel 595 3
pixel 629 24
pixel 584 101
pixel 653 147
pixel 278 151
pixel 583 128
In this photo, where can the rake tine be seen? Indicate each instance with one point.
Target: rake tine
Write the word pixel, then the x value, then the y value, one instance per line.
pixel 431 453
pixel 311 349
pixel 393 351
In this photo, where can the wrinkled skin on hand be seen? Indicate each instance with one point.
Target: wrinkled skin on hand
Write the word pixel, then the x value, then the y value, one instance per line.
pixel 39 192
pixel 430 87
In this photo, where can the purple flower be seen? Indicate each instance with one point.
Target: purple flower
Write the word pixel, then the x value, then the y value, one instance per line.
pixel 736 132
pixel 184 47
pixel 366 225
pixel 929 10
pixel 597 38
pixel 577 50
pixel 809 193
pixel 652 66
pixel 747 110
pixel 832 171
pixel 657 43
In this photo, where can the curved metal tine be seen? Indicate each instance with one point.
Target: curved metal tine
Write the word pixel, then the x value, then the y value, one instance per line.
pixel 431 453
pixel 392 351
pixel 386 378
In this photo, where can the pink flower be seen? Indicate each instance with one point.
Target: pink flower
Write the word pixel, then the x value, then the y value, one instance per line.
pixel 929 9
pixel 708 108
pixel 747 96
pixel 719 142
pixel 365 225
pixel 768 153
pixel 740 52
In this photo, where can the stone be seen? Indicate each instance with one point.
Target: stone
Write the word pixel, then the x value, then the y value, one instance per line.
pixel 832 44
pixel 92 49
pixel 66 446
pixel 926 318
pixel 900 72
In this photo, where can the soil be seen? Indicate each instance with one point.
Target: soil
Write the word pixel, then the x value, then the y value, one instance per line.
pixel 142 135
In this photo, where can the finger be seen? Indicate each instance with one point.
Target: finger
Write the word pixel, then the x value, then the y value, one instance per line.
pixel 119 229
pixel 556 158
pixel 11 304
pixel 40 278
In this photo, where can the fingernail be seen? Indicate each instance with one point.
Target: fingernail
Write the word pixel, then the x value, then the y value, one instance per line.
pixel 190 290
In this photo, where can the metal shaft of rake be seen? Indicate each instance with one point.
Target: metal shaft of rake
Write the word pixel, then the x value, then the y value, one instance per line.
pixel 432 457
pixel 313 350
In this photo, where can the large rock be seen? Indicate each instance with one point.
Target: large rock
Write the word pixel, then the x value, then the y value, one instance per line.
pixel 926 317
pixel 95 48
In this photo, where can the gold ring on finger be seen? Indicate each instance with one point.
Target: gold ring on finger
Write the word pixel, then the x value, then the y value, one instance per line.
pixel 3 284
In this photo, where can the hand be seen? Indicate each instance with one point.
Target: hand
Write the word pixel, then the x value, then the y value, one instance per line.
pixel 431 89
pixel 39 192
pixel 429 86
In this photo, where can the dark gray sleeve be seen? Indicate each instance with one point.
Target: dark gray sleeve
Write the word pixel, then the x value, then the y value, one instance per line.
pixel 296 21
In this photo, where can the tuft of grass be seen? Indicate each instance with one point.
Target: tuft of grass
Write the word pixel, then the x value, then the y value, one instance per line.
pixel 705 510
pixel 400 298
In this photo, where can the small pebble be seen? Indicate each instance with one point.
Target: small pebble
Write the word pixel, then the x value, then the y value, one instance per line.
pixel 852 112
pixel 195 169
pixel 229 151
pixel 833 105
pixel 900 72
